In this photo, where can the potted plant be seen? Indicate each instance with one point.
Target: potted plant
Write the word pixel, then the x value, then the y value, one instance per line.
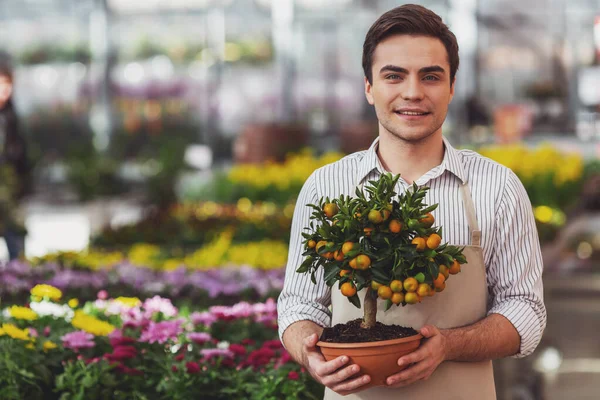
pixel 384 243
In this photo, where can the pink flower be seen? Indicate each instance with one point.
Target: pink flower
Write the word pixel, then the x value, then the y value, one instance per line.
pixel 180 357
pixel 272 344
pixel 174 368
pixel 103 295
pixel 214 353
pixel 47 331
pixel 237 349
pixel 192 367
pixel 33 332
pixel 248 342
pixel 121 353
pixel 162 331
pixel 121 341
pixel 78 340
pixel 293 375
pixel 159 304
pixel 205 318
pixel 199 337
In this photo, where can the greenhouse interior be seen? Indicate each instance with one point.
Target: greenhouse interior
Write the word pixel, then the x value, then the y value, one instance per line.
pixel 163 150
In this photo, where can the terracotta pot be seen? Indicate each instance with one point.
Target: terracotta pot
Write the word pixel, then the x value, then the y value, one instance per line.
pixel 376 359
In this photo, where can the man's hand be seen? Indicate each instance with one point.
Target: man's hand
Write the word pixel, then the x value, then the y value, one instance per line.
pixel 334 374
pixel 423 361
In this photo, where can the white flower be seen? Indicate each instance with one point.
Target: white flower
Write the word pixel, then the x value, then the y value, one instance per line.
pixel 224 345
pixel 46 308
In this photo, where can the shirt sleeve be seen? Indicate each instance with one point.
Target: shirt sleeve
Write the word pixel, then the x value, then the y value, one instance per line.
pixel 300 298
pixel 515 272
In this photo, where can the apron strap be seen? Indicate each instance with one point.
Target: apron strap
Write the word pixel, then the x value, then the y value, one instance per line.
pixel 471 216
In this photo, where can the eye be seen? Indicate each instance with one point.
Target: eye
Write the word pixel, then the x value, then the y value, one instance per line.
pixel 393 76
pixel 431 78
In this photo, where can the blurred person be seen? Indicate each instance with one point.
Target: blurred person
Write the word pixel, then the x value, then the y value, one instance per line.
pixel 410 59
pixel 14 167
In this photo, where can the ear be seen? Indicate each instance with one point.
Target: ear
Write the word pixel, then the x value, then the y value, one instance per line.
pixel 368 94
pixel 452 90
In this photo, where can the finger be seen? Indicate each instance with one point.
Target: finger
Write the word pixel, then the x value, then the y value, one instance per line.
pixel 341 375
pixel 329 367
pixel 414 357
pixel 311 341
pixel 352 385
pixel 428 331
pixel 410 375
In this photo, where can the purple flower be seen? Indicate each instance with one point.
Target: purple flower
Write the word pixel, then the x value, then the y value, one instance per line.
pixel 199 337
pixel 78 340
pixel 162 331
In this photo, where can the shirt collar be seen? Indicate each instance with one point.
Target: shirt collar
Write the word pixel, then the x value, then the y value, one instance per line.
pixel 370 161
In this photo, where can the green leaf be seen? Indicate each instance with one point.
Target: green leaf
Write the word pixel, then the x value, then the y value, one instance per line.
pixel 388 304
pixel 355 300
pixel 312 278
pixel 331 271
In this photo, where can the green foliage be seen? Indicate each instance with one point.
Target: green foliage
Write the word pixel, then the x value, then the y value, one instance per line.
pixel 364 219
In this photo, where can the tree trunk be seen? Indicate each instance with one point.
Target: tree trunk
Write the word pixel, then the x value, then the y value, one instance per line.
pixel 370 316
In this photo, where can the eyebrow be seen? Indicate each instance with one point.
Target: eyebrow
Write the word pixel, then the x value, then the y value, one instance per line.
pixel 424 70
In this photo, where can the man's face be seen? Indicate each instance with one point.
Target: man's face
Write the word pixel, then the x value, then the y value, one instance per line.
pixel 5 89
pixel 411 87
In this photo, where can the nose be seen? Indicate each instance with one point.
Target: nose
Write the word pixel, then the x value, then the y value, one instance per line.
pixel 412 90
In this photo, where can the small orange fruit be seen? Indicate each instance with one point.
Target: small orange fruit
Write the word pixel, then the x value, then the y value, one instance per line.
pixel 396 286
pixel 329 255
pixel 320 244
pixel 444 270
pixel 423 289
pixel 454 268
pixel 348 247
pixel 420 243
pixel 368 230
pixel 395 226
pixel 330 210
pixel 439 281
pixel 386 214
pixel 376 285
pixel 428 220
pixel 397 298
pixel 385 292
pixel 412 298
pixel 345 272
pixel 410 284
pixel 434 241
pixel 375 216
pixel 441 287
pixel 348 289
pixel 311 244
pixel 338 255
pixel 362 261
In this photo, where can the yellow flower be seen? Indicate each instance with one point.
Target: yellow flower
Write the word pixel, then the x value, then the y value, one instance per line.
pixel 129 301
pixel 30 346
pixel 73 303
pixel 15 333
pixel 48 345
pixel 91 324
pixel 22 313
pixel 46 291
pixel 2 333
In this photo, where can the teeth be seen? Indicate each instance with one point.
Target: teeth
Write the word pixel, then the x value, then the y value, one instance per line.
pixel 410 113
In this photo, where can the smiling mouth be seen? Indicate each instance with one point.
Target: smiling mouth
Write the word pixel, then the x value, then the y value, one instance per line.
pixel 411 113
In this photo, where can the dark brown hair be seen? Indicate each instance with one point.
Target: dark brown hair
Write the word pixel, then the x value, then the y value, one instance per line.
pixel 409 19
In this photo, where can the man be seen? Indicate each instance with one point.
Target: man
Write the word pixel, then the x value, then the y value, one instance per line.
pixel 410 59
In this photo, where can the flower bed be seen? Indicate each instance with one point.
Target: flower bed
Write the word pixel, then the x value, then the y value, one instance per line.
pixel 224 285
pixel 124 348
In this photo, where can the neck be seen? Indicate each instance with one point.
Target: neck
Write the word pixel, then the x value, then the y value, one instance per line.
pixel 410 159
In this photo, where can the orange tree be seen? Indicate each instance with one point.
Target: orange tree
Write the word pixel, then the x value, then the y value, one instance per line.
pixel 383 242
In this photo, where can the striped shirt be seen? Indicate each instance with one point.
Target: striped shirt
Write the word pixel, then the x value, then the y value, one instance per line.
pixel 509 236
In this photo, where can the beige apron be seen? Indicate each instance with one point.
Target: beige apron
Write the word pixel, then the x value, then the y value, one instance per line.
pixel 463 302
